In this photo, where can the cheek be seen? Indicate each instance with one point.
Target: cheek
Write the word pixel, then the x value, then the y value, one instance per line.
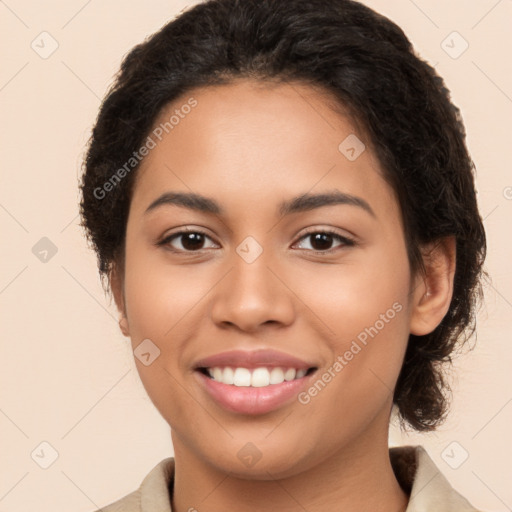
pixel 364 303
pixel 345 398
pixel 368 331
pixel 160 300
pixel 352 295
pixel 160 295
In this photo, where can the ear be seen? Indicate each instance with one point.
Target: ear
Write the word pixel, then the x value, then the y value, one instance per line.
pixel 117 286
pixel 433 290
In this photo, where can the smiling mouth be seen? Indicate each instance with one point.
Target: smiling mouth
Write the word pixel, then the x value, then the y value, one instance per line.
pixel 255 377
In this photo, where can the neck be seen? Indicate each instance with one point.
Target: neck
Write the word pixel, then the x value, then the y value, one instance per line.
pixel 357 477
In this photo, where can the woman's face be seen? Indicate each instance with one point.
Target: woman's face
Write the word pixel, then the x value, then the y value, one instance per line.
pixel 258 288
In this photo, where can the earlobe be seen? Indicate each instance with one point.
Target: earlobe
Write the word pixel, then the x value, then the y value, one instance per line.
pixel 116 285
pixel 123 325
pixel 434 289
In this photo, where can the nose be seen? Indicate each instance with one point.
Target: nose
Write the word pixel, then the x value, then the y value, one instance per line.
pixel 252 295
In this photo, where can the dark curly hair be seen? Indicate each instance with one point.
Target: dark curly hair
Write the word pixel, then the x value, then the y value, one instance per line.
pixel 371 69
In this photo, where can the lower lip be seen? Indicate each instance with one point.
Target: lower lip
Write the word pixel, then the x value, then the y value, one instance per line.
pixel 249 400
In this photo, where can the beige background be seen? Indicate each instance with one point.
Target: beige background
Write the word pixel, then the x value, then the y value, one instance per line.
pixel 68 376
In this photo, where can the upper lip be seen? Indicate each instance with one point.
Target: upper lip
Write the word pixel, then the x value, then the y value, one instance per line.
pixel 253 359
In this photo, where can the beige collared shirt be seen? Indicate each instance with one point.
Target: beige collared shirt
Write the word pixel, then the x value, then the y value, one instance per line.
pixel 429 490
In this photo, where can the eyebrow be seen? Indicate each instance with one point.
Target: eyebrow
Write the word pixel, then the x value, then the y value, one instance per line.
pixel 300 203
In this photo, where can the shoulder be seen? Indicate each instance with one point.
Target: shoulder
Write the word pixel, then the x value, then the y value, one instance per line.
pixel 152 494
pixel 427 487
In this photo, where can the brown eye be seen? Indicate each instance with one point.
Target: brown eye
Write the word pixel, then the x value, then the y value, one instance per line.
pixel 321 241
pixel 190 241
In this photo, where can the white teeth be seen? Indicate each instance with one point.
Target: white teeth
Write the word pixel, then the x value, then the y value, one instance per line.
pixel 260 378
pixel 276 376
pixel 217 373
pixel 256 378
pixel 228 376
pixel 242 377
pixel 300 373
pixel 289 374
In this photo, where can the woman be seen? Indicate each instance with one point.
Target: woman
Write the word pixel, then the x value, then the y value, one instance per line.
pixel 283 205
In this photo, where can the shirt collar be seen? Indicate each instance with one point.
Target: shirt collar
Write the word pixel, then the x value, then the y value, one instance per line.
pixel 427 487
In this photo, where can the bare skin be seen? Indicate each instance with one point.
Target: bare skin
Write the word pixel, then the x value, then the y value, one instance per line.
pixel 249 147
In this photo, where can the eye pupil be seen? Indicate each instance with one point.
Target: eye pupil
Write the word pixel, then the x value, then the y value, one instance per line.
pixel 324 240
pixel 192 241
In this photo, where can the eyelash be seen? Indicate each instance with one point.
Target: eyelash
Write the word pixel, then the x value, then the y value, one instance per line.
pixel 346 241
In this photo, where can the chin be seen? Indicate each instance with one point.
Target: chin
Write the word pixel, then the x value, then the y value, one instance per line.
pixel 253 461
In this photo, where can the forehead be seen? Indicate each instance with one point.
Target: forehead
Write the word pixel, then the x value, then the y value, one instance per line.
pixel 250 144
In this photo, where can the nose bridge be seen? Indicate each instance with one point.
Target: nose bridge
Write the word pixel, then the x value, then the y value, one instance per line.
pixel 251 279
pixel 251 294
pixel 250 267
